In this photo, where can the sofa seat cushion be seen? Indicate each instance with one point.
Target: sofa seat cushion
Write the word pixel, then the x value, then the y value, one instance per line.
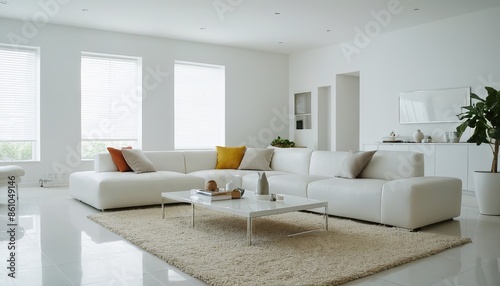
pixel 415 202
pixel 292 184
pixel 354 198
pixel 116 189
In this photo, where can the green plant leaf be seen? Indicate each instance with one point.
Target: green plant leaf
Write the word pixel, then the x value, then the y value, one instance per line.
pixel 475 96
pixel 484 117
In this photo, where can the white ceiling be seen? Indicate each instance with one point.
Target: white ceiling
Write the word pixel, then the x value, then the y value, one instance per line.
pixel 254 24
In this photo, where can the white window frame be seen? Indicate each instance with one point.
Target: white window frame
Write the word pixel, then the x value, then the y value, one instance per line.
pixel 34 119
pixel 119 106
pixel 201 110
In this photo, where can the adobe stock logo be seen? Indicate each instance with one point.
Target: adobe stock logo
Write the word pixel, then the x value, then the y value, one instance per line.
pixel 372 29
pixel 47 9
pixel 223 6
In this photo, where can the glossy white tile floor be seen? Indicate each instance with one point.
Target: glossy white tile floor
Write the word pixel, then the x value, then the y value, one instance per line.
pixel 60 246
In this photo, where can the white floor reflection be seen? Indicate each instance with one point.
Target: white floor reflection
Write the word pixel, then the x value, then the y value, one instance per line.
pixel 58 245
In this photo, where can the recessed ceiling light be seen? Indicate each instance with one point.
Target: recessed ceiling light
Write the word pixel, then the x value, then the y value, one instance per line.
pixel 277 13
pixel 328 30
pixel 416 9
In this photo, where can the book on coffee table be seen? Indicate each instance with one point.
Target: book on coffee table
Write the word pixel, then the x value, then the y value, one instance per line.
pixel 203 198
pixel 212 196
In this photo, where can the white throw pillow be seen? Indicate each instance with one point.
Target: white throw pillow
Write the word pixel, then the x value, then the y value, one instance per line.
pixel 137 161
pixel 257 159
pixel 354 163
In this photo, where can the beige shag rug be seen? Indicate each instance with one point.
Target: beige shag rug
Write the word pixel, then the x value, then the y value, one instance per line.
pixel 216 249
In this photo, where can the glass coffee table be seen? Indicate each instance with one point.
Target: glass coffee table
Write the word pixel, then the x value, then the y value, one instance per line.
pixel 248 206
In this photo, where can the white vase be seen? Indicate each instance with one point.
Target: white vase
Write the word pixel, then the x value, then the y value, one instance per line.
pixel 486 187
pixel 262 187
pixel 418 136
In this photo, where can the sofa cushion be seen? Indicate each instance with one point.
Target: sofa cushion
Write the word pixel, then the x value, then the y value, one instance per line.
pixel 229 157
pixel 257 159
pixel 358 198
pixel 117 156
pixel 292 184
pixel 291 160
pixel 415 202
pixel 249 182
pixel 392 165
pixel 353 163
pixel 137 161
pixel 197 160
pixel 326 163
pixel 167 160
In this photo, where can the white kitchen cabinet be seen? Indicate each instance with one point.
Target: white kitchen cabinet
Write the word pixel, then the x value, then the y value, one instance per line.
pixel 452 161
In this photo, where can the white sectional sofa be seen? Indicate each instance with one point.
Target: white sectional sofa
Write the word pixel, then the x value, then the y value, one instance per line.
pixel 390 190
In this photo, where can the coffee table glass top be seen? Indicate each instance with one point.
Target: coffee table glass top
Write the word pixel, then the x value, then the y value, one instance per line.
pixel 249 205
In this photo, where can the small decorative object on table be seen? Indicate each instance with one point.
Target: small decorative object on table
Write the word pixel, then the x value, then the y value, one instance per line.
pixel 418 136
pixel 392 138
pixel 211 186
pixel 262 186
pixel 452 137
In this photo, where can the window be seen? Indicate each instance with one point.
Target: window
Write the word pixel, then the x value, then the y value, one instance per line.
pixel 19 103
pixel 111 99
pixel 199 105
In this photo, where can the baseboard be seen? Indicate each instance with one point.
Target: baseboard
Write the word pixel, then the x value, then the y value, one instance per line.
pixel 469 193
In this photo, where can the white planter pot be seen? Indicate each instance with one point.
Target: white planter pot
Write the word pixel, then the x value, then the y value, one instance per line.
pixel 487 188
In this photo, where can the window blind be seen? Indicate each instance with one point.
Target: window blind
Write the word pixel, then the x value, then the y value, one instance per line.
pixel 19 94
pixel 110 98
pixel 199 105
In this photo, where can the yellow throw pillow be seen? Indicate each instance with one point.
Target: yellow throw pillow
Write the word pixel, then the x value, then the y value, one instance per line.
pixel 229 157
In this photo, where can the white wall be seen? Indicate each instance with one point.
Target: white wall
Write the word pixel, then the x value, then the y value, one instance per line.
pixel 256 90
pixel 455 52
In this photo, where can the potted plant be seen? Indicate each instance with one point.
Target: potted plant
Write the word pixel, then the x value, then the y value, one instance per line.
pixel 282 143
pixel 484 116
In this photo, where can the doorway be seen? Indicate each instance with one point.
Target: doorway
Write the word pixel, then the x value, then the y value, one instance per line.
pixel 346 122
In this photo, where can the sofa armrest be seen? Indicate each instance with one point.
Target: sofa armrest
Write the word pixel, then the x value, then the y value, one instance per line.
pixel 104 163
pixel 6 173
pixel 415 202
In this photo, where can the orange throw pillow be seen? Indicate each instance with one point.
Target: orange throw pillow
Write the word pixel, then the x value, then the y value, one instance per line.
pixel 229 157
pixel 117 156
